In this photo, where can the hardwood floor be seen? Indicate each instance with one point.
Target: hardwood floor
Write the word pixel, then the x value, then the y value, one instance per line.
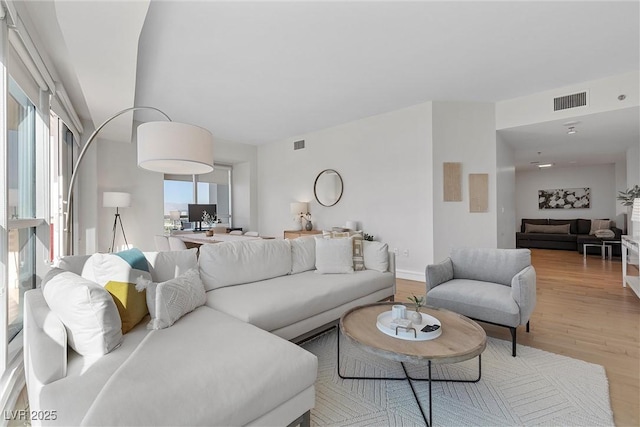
pixel 583 312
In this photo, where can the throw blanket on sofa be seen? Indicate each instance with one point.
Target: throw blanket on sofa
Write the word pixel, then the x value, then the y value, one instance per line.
pixel 231 374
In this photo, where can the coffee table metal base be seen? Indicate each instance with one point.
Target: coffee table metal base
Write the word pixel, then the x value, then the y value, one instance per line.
pixel 411 379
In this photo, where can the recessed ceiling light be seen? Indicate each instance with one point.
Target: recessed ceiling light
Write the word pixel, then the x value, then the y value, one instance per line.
pixel 571 123
pixel 545 165
pixel 572 130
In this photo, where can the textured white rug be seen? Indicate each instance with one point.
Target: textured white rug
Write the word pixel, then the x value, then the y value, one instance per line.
pixel 535 388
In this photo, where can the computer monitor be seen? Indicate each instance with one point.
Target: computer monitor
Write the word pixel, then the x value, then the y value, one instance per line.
pixel 196 211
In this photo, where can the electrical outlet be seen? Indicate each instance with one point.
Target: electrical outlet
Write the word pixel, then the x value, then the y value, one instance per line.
pixel 406 252
pixel 395 251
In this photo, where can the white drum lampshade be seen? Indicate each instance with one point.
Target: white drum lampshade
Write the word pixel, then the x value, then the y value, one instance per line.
pixel 175 148
pixel 635 211
pixel 298 208
pixel 174 215
pixel 112 199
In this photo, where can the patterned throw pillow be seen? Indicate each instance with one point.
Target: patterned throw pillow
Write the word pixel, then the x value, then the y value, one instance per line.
pixel 177 297
pixel 358 251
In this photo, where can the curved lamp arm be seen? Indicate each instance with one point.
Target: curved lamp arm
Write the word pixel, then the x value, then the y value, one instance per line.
pixel 81 156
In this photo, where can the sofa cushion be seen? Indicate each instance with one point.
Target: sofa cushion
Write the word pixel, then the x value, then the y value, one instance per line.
pixel 376 256
pixel 334 256
pixel 87 311
pixel 496 265
pixel 549 237
pixel 487 301
pixel 131 304
pixel 303 254
pixel 166 265
pixel 539 221
pixel 547 229
pixel 285 300
pixel 234 263
pixel 573 224
pixel 125 266
pixel 213 370
pixel 599 224
pixel 584 226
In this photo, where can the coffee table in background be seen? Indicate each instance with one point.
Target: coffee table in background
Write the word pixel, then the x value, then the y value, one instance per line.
pixel 461 339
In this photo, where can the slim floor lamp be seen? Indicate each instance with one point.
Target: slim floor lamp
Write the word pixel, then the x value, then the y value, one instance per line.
pixel 116 200
pixel 167 147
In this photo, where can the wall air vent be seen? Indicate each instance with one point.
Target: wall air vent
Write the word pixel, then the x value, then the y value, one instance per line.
pixel 570 101
pixel 298 145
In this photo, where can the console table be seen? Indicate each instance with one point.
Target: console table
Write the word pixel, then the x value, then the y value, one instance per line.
pixel 630 263
pixel 293 234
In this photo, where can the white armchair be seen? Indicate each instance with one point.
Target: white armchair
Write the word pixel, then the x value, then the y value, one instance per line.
pixel 496 286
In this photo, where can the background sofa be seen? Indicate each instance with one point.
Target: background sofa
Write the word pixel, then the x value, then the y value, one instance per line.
pixel 574 240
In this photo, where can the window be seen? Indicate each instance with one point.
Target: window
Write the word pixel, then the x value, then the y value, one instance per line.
pixel 21 153
pixel 213 187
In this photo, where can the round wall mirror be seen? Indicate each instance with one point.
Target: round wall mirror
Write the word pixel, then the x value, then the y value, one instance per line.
pixel 328 187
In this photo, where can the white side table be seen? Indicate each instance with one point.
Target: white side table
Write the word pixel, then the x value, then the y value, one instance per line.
pixel 603 249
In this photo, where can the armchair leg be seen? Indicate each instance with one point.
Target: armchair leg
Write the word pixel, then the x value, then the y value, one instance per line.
pixel 527 327
pixel 513 341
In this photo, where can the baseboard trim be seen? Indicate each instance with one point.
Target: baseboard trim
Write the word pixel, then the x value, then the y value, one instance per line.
pixel 410 275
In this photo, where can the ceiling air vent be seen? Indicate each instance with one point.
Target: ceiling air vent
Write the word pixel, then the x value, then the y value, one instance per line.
pixel 298 145
pixel 570 101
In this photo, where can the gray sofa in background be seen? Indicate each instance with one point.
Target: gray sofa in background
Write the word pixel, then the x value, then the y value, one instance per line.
pixel 496 286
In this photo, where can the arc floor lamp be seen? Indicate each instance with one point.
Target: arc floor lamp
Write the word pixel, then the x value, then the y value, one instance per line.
pixel 167 147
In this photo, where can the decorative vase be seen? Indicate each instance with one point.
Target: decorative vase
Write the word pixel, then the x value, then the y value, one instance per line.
pixel 416 317
pixel 308 226
pixel 209 233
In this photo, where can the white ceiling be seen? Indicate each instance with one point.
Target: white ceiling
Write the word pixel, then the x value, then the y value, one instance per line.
pixel 257 72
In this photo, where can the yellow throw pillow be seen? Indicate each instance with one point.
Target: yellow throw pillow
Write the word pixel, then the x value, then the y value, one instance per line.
pixel 132 305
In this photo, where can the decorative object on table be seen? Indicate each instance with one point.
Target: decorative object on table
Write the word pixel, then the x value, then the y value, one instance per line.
pixel 328 187
pixel 405 329
pixel 175 218
pixel 565 198
pixel 367 237
pixel 416 316
pixel 351 225
pixel 112 199
pixel 309 225
pixel 210 221
pixel 398 311
pixel 168 147
pixel 298 211
pixel 452 182
pixel 478 192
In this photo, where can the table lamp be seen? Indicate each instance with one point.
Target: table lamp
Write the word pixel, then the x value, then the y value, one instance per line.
pixel 298 210
pixel 635 217
pixel 175 216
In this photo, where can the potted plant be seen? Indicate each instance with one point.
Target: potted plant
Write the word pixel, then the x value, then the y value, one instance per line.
pixel 416 316
pixel 626 198
pixel 210 221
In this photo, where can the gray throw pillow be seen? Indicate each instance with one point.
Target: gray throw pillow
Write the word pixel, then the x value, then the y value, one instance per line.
pixel 547 229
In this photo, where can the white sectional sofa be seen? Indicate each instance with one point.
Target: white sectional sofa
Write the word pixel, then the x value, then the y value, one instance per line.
pixel 224 363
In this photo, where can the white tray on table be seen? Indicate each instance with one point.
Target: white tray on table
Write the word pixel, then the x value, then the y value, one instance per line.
pixel 384 325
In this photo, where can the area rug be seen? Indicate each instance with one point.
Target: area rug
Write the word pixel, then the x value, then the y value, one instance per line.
pixel 535 388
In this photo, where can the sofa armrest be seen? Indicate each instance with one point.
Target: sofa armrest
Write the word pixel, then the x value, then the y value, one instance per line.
pixel 617 232
pixel 523 291
pixel 439 273
pixel 45 344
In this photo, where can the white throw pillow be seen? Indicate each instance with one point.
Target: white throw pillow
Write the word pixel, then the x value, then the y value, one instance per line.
pixel 125 266
pixel 177 297
pixel 165 266
pixel 303 254
pixel 87 311
pixel 334 256
pixel 376 256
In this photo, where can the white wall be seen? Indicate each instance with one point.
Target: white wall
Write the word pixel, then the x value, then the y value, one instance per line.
pixel 603 96
pixel 463 132
pixel 505 194
pixel 385 163
pixel 600 178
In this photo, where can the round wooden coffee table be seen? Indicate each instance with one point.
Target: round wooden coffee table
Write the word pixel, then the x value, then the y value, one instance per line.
pixel 461 339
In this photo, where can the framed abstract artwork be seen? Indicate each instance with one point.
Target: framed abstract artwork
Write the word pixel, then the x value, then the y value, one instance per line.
pixel 565 198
